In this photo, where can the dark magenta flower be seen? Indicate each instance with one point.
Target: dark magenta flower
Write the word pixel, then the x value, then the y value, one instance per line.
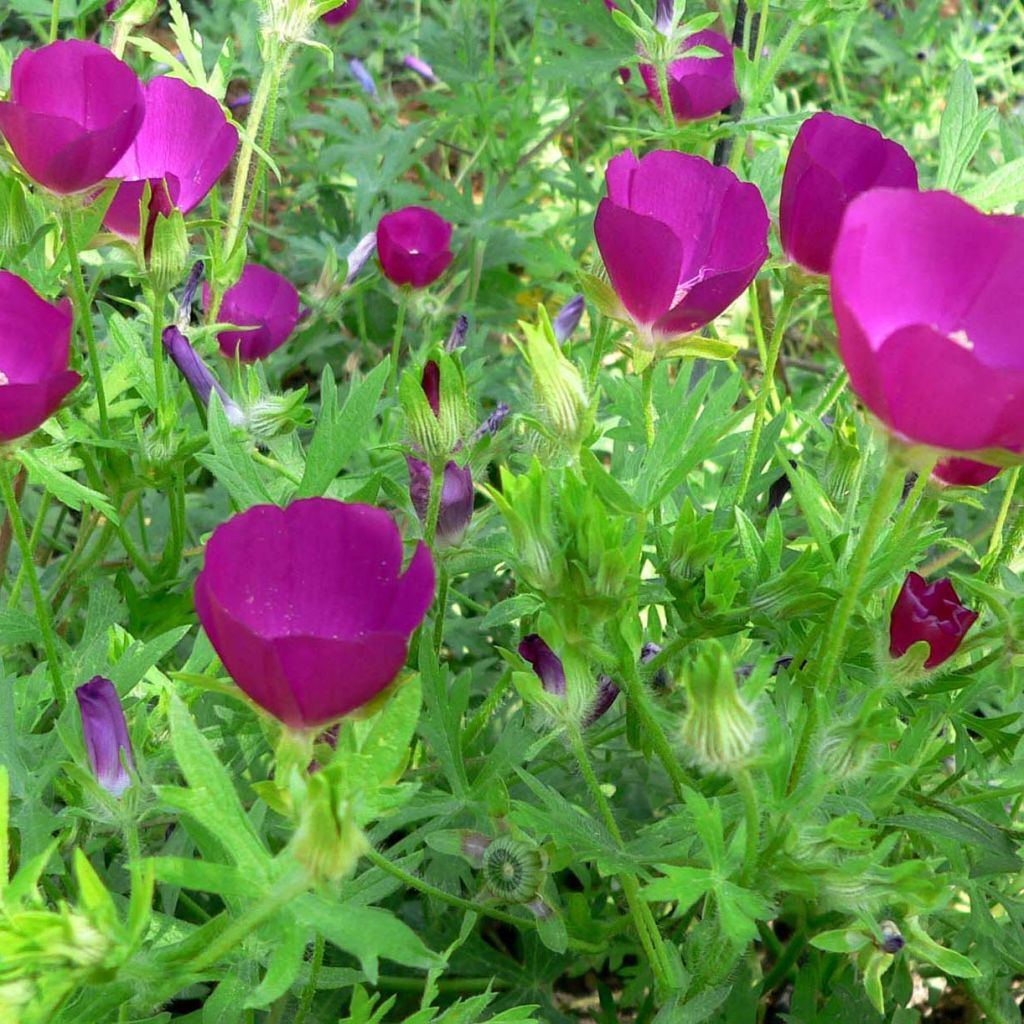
pixel 922 289
pixel 832 161
pixel 546 664
pixel 336 15
pixel 698 87
pixel 35 338
pixel 708 229
pixel 607 692
pixel 308 608
pixel 932 613
pixel 198 374
pixel 964 472
pixel 73 111
pixel 184 145
pixel 265 302
pixel 414 246
pixel 106 734
pixel 456 508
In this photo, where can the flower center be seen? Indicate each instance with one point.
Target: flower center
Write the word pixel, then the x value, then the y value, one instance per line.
pixel 3 378
pixel 960 338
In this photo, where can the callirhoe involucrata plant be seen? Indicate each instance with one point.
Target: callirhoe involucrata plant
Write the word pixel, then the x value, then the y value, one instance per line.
pixel 511 511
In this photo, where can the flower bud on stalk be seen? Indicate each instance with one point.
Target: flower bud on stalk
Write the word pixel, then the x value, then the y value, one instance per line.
pixel 106 734
pixel 928 614
pixel 198 374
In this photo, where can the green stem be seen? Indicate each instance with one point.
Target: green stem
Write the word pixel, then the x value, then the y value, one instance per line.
pixel 43 615
pixel 784 964
pixel 54 19
pixel 306 1000
pixel 597 352
pixel 661 69
pixel 157 302
pixel 434 500
pixel 992 1012
pixel 752 817
pixel 122 29
pixel 647 381
pixel 913 499
pixel 442 605
pixel 990 562
pixel 487 708
pixel 33 541
pixel 396 341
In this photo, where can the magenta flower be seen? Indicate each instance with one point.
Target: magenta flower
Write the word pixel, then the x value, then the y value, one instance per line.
pixel 307 606
pixel 414 245
pixel 336 15
pixel 932 613
pixel 35 339
pixel 832 161
pixel 263 301
pixel 708 229
pixel 184 145
pixel 698 87
pixel 73 111
pixel 922 289
pixel 106 734
pixel 545 663
pixel 964 472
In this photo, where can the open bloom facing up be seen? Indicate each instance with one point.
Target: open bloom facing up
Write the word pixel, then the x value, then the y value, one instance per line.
pixel 698 87
pixel 680 239
pixel 106 734
pixel 73 111
pixel 927 294
pixel 264 301
pixel 35 339
pixel 341 13
pixel 930 613
pixel 307 605
pixel 183 147
pixel 832 161
pixel 414 245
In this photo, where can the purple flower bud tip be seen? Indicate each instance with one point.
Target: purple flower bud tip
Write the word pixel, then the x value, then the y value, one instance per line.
pixel 931 613
pixel 358 257
pixel 457 338
pixel 35 340
pixel 106 734
pixel 188 293
pixel 964 472
pixel 456 508
pixel 421 67
pixel 831 162
pixel 698 87
pixel 320 622
pixel 545 663
pixel 709 228
pixel 414 245
pixel 431 384
pixel 341 13
pixel 664 15
pixel 921 285
pixel 567 319
pixel 607 691
pixel 263 301
pixel 363 76
pixel 492 424
pixel 62 143
pixel 304 314
pixel 240 101
pixel 198 374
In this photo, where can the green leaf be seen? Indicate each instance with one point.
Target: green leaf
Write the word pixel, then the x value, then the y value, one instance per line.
pixel 961 130
pixel 202 876
pixel 284 964
pixel 230 462
pixel 920 944
pixel 840 940
pixel 739 909
pixel 680 885
pixel 1003 187
pixel 41 464
pixel 386 739
pixel 510 610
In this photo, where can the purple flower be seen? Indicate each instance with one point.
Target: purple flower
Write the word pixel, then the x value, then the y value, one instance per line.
pixel 359 256
pixel 74 109
pixel 698 87
pixel 414 245
pixel 35 339
pixel 930 613
pixel 421 67
pixel 307 606
pixel 664 15
pixel 607 691
pixel 362 75
pixel 106 734
pixel 457 337
pixel 456 508
pixel 923 289
pixel 264 301
pixel 708 229
pixel 832 161
pixel 198 374
pixel 567 319
pixel 964 472
pixel 546 664
pixel 336 15
pixel 183 147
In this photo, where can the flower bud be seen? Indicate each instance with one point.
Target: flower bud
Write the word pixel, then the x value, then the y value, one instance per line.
pixel 359 256
pixel 421 67
pixel 545 662
pixel 291 20
pixel 270 415
pixel 607 692
pixel 457 338
pixel 363 77
pixel 931 614
pixel 567 319
pixel 664 16
pixel 188 294
pixel 198 374
pixel 436 406
pixel 327 841
pixel 168 257
pixel 892 940
pixel 106 734
pixel 513 871
pixel 16 220
pixel 456 506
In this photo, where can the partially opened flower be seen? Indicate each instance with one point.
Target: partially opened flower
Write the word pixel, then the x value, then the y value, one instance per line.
pixel 263 301
pixel 414 245
pixel 35 339
pixel 73 111
pixel 198 374
pixel 308 608
pixel 832 161
pixel 680 239
pixel 183 147
pixel 545 663
pixel 698 87
pixel 923 289
pixel 106 734
pixel 964 472
pixel 931 613
pixel 336 15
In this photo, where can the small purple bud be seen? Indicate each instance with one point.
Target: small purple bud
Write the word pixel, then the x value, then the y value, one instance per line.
pixel 198 374
pixel 458 336
pixel 567 319
pixel 421 67
pixel 649 652
pixel 305 312
pixel 607 691
pixel 240 101
pixel 456 508
pixel 492 423
pixel 189 292
pixel 357 258
pixel 546 664
pixel 106 734
pixel 892 940
pixel 664 15
pixel 431 383
pixel 363 77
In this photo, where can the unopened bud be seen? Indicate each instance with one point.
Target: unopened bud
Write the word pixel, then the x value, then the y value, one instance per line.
pixel 567 319
pixel 168 257
pixel 198 374
pixel 513 871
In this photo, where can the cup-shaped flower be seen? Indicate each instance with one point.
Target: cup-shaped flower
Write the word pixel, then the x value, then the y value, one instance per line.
pixel 708 229
pixel 106 734
pixel 336 15
pixel 923 289
pixel 73 111
pixel 931 613
pixel 832 161
pixel 264 302
pixel 183 147
pixel 964 472
pixel 414 245
pixel 456 506
pixel 35 338
pixel 308 608
pixel 698 87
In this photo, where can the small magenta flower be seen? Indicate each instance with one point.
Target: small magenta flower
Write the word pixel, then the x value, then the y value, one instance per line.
pixel 308 608
pixel 698 87
pixel 73 111
pixel 414 245
pixel 708 229
pixel 931 613
pixel 106 734
pixel 336 15
pixel 546 664
pixel 263 301
pixel 922 287
pixel 832 161
pixel 35 339
pixel 964 472
pixel 184 145
pixel 198 374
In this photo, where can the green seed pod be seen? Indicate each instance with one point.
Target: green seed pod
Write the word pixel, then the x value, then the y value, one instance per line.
pixel 513 871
